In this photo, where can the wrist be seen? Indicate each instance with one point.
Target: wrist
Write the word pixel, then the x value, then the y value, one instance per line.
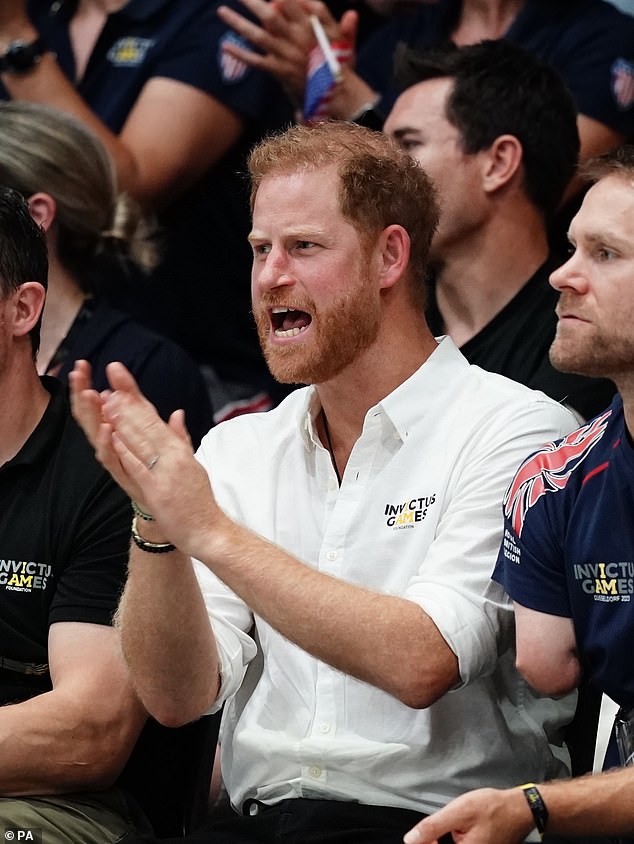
pixel 149 538
pixel 351 97
pixel 18 30
pixel 535 804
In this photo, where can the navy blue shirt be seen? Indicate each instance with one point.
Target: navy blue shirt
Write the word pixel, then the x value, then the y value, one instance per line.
pixel 589 42
pixel 568 547
pixel 166 375
pixel 200 294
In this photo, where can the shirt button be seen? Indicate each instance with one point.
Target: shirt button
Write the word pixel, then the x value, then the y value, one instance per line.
pixel 324 728
pixel 315 771
pixel 332 556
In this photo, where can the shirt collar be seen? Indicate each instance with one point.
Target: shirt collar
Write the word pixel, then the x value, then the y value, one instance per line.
pixel 48 429
pixel 409 403
pixel 427 389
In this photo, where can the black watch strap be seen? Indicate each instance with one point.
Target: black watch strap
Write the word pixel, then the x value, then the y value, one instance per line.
pixel 22 56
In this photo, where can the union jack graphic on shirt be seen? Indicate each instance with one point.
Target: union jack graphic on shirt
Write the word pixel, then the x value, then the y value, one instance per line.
pixel 549 470
pixel 623 83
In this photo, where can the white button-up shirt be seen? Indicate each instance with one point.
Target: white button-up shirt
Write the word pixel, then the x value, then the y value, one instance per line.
pixel 418 515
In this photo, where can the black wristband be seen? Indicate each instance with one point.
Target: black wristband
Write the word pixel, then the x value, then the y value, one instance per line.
pixel 22 56
pixel 537 806
pixel 146 545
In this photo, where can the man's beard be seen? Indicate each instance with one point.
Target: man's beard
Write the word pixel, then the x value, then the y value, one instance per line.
pixel 591 353
pixel 338 334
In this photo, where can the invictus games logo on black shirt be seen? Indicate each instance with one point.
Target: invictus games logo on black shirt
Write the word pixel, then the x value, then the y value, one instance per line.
pixel 24 575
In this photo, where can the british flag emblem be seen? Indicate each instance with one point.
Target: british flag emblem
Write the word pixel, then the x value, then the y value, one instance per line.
pixel 549 469
pixel 232 69
pixel 623 83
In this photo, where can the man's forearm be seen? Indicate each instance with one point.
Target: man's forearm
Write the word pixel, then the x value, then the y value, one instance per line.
pixel 601 804
pixel 385 640
pixel 53 744
pixel 166 636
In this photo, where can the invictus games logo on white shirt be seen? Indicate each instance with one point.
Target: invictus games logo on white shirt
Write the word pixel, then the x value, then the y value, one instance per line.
pixel 24 575
pixel 406 514
pixel 129 51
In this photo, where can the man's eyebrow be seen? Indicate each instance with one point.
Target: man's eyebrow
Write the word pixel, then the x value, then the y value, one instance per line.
pixel 303 233
pixel 404 130
pixel 606 236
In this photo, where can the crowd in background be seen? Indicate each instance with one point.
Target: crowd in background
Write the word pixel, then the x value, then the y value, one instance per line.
pixel 125 128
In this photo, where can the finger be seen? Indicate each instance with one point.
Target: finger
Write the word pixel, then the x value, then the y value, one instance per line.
pixel 258 60
pixel 254 34
pixel 267 13
pixel 177 423
pixel 416 836
pixel 138 425
pixel 121 378
pixel 81 375
pixel 349 26
pixel 86 404
pixel 321 10
pixel 294 11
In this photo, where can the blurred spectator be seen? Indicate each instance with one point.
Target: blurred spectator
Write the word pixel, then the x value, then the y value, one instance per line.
pixel 177 116
pixel 495 129
pixel 589 42
pixel 68 713
pixel 64 172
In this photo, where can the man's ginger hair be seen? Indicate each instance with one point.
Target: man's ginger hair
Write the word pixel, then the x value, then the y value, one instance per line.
pixel 379 185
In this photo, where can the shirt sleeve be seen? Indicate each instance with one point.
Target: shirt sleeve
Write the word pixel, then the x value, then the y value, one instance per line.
pixel 596 60
pixel 196 57
pixel 530 564
pixel 454 585
pixel 91 582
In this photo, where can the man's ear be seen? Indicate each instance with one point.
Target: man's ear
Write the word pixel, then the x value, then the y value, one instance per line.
pixel 503 161
pixel 393 249
pixel 28 301
pixel 43 209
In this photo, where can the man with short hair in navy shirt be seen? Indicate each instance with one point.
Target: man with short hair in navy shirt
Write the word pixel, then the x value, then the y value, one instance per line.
pixel 567 557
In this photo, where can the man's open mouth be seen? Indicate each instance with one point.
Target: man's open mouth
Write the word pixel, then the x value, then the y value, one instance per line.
pixel 288 322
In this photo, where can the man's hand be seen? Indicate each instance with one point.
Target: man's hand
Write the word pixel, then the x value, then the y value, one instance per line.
pixel 485 816
pixel 152 461
pixel 284 37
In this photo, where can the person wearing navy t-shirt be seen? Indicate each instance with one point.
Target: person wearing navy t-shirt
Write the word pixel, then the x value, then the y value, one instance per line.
pixel 567 557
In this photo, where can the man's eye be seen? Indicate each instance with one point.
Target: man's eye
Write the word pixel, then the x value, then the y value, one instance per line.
pixel 604 254
pixel 305 244
pixel 262 248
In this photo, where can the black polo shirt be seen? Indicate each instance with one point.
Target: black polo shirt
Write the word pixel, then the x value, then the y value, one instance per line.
pixel 516 342
pixel 64 540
